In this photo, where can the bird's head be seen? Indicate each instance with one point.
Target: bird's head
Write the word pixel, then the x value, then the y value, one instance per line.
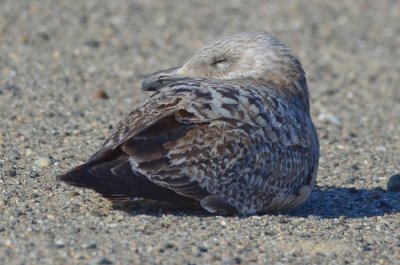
pixel 257 56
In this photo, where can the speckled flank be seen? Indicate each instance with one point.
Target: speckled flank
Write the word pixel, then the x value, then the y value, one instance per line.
pixel 237 135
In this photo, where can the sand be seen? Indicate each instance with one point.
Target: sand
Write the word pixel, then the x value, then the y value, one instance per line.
pixel 57 57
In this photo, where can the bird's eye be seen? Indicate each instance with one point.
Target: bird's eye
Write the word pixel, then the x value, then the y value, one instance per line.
pixel 218 61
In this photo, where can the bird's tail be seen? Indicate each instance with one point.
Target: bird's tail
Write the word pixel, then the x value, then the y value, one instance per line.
pixel 100 178
pixel 115 180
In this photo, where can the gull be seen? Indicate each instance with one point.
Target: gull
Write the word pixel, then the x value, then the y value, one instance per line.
pixel 230 130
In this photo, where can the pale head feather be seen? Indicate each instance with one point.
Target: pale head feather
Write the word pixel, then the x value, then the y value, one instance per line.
pixel 256 55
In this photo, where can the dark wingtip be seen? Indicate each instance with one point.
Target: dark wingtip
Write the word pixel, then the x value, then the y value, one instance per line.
pixel 78 176
pixel 69 179
pixel 107 187
pixel 73 178
pixel 119 183
pixel 62 178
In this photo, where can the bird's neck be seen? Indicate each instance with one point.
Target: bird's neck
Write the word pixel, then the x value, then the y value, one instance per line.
pixel 293 87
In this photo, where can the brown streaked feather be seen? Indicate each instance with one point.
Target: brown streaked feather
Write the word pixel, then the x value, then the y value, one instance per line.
pixel 232 136
pixel 191 149
pixel 122 132
pixel 115 180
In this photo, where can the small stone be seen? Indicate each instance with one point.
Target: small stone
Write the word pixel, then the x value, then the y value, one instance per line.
pixel 203 249
pixel 233 261
pixel 93 43
pixel 2 229
pixel 10 88
pixel 90 245
pixel 28 152
pixel 43 162
pixel 100 261
pixel 366 248
pixel 44 36
pixel 35 194
pixel 342 218
pixel 282 220
pixel 57 244
pixel 330 118
pixel 350 179
pixel 81 256
pixel 169 246
pixel 223 223
pixel 100 94
pixel 12 173
pixel 78 113
pixel 314 217
pixel 380 148
pixel 119 217
pixel 394 183
pixel 15 155
pixel 33 174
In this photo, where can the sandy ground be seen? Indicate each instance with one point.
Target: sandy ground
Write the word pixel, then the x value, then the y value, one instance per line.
pixel 54 55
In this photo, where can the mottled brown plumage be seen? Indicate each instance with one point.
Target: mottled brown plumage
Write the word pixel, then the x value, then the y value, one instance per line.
pixel 230 129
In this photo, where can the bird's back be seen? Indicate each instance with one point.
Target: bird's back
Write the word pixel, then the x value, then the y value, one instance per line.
pixel 238 143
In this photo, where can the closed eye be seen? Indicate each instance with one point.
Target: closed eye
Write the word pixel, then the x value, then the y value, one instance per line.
pixel 217 61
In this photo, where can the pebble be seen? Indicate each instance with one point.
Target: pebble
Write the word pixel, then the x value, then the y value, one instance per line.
pixel 326 117
pixel 100 261
pixel 28 152
pixel 15 155
pixel 93 43
pixel 43 162
pixel 57 244
pixel 44 36
pixel 34 174
pixel 233 261
pixel 12 173
pixel 394 183
pixel 35 194
pixel 90 245
pixel 100 94
pixel 380 148
pixel 169 246
pixel 350 179
pixel 119 217
pixel 10 88
pixel 314 217
pixel 202 248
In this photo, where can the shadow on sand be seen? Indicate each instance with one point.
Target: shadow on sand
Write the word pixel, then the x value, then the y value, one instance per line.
pixel 326 202
pixel 333 202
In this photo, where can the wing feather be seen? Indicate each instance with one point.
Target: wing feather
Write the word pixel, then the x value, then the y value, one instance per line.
pixel 214 138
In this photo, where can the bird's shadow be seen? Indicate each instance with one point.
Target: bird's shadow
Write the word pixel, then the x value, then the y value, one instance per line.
pixel 332 202
pixel 325 202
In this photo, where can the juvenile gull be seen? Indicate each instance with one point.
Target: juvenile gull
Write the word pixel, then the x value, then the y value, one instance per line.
pixel 230 129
